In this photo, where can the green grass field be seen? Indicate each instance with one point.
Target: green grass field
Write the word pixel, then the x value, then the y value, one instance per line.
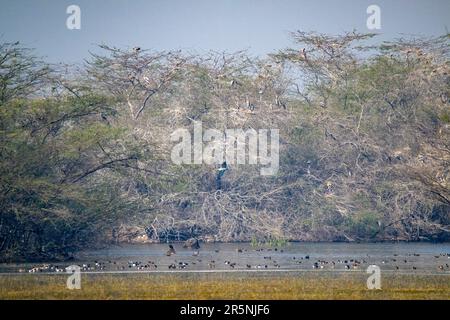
pixel 302 285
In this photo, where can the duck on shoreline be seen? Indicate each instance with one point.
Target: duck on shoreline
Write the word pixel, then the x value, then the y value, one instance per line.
pixel 171 250
pixel 192 243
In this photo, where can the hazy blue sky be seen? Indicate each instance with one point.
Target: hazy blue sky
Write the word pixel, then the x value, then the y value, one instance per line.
pixel 260 26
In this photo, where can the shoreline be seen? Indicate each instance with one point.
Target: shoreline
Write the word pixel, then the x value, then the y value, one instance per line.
pixel 268 246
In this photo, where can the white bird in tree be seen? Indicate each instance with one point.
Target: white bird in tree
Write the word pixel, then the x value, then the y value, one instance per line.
pixel 147 80
pixel 223 168
pixel 250 105
pixel 303 54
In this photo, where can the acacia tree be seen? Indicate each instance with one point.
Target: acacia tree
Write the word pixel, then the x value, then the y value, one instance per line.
pixel 54 139
pixel 135 75
pixel 364 154
pixel 383 116
pixel 342 172
pixel 221 90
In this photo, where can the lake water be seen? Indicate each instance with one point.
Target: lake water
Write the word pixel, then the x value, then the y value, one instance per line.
pixel 395 257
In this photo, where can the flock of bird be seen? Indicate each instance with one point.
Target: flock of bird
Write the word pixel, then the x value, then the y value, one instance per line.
pixel 268 262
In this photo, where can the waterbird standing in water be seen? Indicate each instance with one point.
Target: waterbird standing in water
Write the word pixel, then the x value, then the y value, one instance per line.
pixel 192 243
pixel 171 250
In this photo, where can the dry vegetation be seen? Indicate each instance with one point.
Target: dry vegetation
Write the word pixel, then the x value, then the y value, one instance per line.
pixel 306 285
pixel 364 145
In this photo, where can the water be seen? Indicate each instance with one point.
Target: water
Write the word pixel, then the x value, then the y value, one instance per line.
pixel 395 257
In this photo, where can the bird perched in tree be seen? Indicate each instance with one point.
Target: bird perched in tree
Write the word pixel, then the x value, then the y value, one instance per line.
pixel 147 79
pixel 220 173
pixel 222 169
pixel 104 118
pixel 279 103
pixel 329 134
pixel 249 105
pixel 308 170
pixel 234 83
pixel 303 54
pixel 136 49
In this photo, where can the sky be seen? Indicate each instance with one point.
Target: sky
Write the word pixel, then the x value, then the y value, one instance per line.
pixel 259 26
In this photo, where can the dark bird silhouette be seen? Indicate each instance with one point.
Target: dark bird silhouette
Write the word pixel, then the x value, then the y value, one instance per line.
pixel 171 250
pixel 220 173
pixel 192 243
pixel 329 134
pixel 104 118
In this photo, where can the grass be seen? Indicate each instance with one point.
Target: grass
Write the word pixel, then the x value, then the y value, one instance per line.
pixel 301 285
pixel 271 242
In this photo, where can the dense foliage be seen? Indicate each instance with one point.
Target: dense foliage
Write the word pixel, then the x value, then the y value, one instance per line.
pixel 364 145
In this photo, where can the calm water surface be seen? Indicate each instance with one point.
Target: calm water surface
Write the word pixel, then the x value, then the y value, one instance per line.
pixel 396 257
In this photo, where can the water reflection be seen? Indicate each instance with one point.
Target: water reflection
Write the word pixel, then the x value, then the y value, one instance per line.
pixel 401 257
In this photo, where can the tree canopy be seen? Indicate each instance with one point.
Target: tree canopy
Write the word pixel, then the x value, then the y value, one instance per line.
pixel 364 145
